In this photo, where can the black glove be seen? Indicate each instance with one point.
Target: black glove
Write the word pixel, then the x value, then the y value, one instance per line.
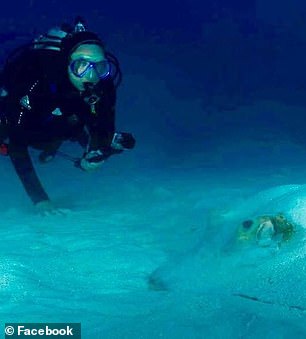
pixel 122 141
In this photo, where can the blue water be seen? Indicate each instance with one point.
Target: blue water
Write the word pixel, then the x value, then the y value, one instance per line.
pixel 147 249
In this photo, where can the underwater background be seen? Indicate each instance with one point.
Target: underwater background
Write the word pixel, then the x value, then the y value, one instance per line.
pixel 214 92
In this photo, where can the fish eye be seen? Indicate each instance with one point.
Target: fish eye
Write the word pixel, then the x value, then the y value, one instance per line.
pixel 247 224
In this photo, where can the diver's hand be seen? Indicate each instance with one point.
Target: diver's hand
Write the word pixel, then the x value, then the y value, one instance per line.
pixel 92 161
pixel 123 141
pixel 46 208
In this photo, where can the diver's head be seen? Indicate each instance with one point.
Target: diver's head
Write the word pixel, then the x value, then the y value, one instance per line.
pixel 82 54
pixel 87 65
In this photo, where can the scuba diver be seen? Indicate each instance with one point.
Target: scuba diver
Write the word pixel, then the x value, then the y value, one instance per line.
pixel 61 86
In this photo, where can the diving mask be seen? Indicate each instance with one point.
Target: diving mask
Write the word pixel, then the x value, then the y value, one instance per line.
pixel 88 64
pixel 82 67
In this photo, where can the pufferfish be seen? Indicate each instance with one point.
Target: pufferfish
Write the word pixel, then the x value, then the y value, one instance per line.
pixel 265 229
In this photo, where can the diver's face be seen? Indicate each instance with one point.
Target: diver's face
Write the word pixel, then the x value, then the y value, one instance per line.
pixel 86 64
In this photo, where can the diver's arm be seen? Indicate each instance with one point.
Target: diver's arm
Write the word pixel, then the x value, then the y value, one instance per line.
pixel 102 125
pixel 104 135
pixel 24 168
pixel 102 130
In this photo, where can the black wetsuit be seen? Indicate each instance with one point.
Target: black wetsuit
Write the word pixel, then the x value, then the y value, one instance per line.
pixel 44 109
